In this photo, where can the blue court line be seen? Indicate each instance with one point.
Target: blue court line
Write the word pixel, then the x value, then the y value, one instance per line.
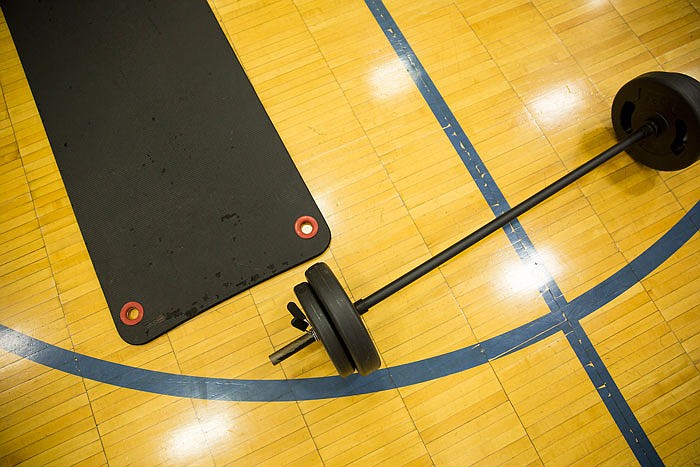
pixel 611 396
pixel 550 291
pixel 243 390
pixel 602 294
pixel 402 375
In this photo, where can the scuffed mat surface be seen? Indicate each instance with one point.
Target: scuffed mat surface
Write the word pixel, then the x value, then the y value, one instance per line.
pixel 183 190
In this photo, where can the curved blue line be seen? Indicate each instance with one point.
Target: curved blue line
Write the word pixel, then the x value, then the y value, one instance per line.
pixel 199 387
pixel 638 268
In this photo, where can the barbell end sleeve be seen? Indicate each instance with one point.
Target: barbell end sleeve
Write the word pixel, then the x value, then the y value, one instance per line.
pixel 361 306
pixel 293 347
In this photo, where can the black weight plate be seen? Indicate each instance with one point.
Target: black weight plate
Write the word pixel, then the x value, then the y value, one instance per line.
pixel 323 330
pixel 344 316
pixel 670 98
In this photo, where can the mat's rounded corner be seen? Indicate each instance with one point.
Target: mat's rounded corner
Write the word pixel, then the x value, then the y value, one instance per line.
pixel 132 339
pixel 130 335
pixel 316 247
pixel 325 240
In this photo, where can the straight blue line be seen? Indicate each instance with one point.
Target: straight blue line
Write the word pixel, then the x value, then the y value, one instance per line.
pixel 566 318
pixel 550 291
pixel 611 396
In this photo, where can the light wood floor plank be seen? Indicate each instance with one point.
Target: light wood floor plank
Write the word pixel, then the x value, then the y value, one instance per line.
pixel 531 84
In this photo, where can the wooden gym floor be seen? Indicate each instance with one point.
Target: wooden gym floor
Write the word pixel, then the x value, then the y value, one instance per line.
pixel 596 292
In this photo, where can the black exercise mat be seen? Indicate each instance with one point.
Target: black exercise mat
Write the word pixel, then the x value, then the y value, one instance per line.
pixel 183 190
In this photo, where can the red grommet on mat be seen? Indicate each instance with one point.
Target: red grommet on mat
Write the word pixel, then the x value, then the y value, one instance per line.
pixel 306 227
pixel 132 313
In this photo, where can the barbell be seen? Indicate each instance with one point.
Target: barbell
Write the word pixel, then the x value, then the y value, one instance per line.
pixel 656 118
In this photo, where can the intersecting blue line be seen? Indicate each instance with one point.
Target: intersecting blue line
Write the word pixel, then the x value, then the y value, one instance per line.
pixel 465 149
pixel 420 371
pixel 564 316
pixel 615 402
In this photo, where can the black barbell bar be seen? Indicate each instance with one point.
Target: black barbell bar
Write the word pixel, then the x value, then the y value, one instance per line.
pixel 651 127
